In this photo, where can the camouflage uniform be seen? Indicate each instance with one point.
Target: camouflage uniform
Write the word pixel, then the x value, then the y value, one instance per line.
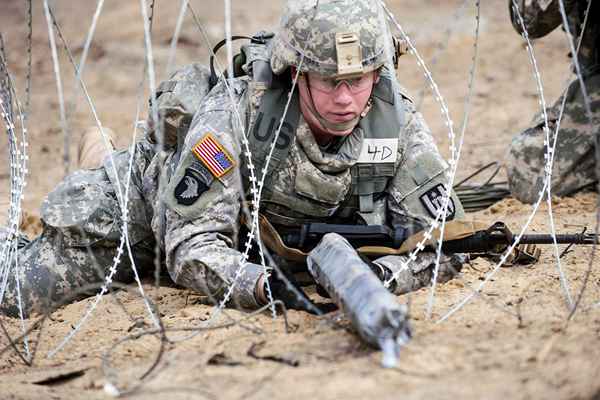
pixel 194 207
pixel 575 159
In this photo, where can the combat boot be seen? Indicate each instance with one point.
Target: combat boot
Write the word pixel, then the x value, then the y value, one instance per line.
pixel 92 147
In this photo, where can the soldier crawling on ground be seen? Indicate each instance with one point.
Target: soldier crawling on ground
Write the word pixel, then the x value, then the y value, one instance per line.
pixel 346 101
pixel 575 164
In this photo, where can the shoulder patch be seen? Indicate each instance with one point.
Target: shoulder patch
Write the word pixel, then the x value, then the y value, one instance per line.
pixel 433 201
pixel 190 187
pixel 214 156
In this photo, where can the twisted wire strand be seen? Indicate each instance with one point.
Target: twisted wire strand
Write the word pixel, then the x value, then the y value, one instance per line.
pixel 89 38
pixel 18 274
pixel 15 209
pixel 156 122
pixel 543 191
pixel 29 59
pixel 467 110
pixel 442 47
pixel 6 113
pixel 113 387
pixel 228 44
pixel 588 111
pixel 18 167
pixel 440 219
pixel 124 215
pixel 252 235
pixel 550 152
pixel 18 170
pixel 59 88
pixel 175 38
pixel 72 106
pixel 237 123
pixel 255 230
pixel 122 201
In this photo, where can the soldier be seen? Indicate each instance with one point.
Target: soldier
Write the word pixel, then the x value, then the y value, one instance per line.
pixel 352 150
pixel 575 158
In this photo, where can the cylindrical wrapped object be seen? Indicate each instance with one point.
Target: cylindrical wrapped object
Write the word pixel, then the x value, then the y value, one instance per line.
pixel 375 313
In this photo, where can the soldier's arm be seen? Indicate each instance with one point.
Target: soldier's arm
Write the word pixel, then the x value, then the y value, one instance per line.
pixel 540 17
pixel 415 195
pixel 202 216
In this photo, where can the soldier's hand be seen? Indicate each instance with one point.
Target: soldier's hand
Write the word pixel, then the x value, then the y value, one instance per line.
pixel 292 295
pixel 523 254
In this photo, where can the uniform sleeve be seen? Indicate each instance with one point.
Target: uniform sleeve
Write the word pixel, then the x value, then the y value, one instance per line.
pixel 414 197
pixel 202 210
pixel 540 17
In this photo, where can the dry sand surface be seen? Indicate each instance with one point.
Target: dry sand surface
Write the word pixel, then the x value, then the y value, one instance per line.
pixel 511 342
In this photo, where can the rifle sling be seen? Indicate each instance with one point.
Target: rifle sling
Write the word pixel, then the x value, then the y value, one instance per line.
pixel 453 230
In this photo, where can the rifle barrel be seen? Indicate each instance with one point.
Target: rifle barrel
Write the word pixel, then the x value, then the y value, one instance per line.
pixel 575 238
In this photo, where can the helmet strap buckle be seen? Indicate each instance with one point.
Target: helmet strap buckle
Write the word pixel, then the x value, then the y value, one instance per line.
pixel 349 55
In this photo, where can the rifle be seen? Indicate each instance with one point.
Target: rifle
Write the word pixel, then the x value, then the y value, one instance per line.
pixel 460 237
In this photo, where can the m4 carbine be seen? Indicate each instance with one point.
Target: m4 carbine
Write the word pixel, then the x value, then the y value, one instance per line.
pixel 459 237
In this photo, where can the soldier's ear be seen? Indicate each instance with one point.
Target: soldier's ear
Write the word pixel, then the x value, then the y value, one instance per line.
pixel 376 77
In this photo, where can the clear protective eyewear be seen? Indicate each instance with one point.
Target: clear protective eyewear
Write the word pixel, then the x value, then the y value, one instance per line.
pixel 330 85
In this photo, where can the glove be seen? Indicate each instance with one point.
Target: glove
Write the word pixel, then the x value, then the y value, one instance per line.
pixel 292 295
pixel 523 254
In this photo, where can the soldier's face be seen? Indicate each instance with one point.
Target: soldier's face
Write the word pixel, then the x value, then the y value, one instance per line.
pixel 338 102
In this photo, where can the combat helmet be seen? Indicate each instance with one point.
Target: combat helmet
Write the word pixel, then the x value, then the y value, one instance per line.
pixel 338 38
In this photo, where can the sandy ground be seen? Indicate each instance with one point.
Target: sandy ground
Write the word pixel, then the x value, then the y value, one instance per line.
pixel 512 341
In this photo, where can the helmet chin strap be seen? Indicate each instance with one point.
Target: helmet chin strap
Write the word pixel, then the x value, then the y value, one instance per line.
pixel 332 126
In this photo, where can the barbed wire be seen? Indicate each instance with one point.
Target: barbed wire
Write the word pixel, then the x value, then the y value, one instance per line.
pixel 238 127
pixel 121 199
pixel 465 122
pixel 29 59
pixel 547 177
pixel 590 117
pixel 176 33
pixel 253 235
pixel 442 213
pixel 441 216
pixel 60 93
pixel 18 159
pixel 442 46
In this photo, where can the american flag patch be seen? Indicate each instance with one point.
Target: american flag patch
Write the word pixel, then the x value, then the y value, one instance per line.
pixel 213 156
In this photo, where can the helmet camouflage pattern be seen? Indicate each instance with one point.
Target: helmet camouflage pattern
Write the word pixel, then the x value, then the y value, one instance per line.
pixel 339 38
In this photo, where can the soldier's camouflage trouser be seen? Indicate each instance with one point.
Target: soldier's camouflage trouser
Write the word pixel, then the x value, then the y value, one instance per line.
pixel 81 234
pixel 575 160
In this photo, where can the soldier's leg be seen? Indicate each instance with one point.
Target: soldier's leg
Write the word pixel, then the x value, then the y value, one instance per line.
pixel 574 161
pixel 51 272
pixel 82 230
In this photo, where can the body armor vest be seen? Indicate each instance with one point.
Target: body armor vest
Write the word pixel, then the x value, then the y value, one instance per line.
pixel 369 180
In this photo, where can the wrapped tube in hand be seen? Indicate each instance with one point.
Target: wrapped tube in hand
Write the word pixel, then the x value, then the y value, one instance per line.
pixel 375 313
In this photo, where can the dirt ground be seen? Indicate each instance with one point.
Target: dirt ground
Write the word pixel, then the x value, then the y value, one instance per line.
pixel 511 342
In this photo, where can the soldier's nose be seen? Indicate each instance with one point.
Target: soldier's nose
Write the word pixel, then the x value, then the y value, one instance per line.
pixel 342 94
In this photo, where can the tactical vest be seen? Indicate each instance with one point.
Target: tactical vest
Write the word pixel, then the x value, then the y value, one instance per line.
pixel 369 180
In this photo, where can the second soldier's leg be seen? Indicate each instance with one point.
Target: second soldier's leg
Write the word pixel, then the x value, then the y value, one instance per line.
pixel 575 159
